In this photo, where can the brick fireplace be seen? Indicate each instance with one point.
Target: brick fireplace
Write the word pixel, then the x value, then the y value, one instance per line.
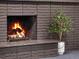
pixel 41 43
pixel 23 15
pixel 36 44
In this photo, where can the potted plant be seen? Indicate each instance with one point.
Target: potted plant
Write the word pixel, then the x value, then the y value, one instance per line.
pixel 59 25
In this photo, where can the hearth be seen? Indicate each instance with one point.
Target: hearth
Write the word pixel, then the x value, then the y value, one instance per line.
pixel 20 27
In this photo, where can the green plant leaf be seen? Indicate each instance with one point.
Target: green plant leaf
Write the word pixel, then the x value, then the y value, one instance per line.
pixel 60 23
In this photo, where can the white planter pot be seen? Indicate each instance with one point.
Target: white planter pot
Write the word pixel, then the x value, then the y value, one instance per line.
pixel 61 48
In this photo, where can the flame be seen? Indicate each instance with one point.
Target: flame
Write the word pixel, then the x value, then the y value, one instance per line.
pixel 17 25
pixel 18 34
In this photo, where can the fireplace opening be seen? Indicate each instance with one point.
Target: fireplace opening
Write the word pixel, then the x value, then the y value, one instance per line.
pixel 20 27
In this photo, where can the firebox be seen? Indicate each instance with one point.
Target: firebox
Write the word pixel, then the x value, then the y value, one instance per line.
pixel 21 27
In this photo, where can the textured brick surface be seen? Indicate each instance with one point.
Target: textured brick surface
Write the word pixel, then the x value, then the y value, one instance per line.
pixel 28 52
pixel 44 12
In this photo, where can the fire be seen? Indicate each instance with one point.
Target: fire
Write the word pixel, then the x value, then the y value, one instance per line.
pixel 17 25
pixel 20 33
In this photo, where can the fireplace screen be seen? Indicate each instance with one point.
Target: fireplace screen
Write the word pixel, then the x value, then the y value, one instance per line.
pixel 19 27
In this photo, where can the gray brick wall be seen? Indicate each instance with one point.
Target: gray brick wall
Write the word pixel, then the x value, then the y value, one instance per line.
pixel 29 52
pixel 45 12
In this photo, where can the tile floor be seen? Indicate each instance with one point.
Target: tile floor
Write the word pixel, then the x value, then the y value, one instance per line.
pixel 69 55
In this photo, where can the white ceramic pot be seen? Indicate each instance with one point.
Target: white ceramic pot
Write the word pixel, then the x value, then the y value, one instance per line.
pixel 61 48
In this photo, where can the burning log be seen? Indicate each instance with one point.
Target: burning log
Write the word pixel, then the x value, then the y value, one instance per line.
pixel 17 31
